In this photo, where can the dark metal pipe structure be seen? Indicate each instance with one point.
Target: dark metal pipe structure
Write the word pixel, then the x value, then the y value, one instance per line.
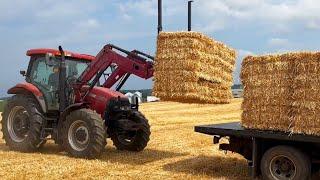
pixel 159 16
pixel 189 15
pixel 62 82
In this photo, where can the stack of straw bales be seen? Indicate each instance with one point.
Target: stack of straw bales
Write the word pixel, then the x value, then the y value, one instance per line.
pixel 282 92
pixel 191 67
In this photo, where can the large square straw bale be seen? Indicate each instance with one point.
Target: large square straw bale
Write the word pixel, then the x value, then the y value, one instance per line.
pixel 191 67
pixel 281 92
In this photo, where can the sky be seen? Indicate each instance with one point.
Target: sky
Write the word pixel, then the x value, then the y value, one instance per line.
pixel 251 27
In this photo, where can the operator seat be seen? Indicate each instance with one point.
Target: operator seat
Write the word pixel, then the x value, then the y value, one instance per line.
pixel 54 80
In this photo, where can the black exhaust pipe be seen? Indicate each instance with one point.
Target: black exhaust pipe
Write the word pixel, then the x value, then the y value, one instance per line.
pixel 159 16
pixel 189 15
pixel 63 102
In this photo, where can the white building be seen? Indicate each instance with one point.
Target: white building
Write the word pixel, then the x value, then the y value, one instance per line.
pixel 237 93
pixel 152 99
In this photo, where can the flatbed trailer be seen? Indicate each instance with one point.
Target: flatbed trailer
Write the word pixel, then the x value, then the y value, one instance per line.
pixel 271 154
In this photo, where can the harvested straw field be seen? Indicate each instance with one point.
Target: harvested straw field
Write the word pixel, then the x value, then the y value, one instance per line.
pixel 191 67
pixel 281 92
pixel 175 151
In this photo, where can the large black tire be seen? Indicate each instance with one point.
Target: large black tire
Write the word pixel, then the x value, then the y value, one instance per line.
pixel 140 138
pixel 17 106
pixel 297 161
pixel 91 142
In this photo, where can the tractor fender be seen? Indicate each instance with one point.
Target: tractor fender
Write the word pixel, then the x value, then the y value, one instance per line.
pixel 71 108
pixel 28 88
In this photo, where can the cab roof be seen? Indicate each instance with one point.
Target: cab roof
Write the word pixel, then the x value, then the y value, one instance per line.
pixel 56 52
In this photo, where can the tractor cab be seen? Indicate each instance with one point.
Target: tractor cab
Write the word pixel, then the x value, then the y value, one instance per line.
pixel 43 72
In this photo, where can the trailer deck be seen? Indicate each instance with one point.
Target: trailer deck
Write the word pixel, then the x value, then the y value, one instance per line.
pixel 254 144
pixel 235 129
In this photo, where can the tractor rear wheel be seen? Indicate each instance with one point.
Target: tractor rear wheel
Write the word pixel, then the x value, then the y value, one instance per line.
pixel 135 140
pixel 21 124
pixel 83 134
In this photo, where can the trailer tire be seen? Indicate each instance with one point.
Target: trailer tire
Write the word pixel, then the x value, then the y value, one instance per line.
pixel 83 134
pixel 21 124
pixel 140 139
pixel 285 162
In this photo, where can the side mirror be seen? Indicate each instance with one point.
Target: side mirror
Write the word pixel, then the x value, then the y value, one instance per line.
pixel 23 73
pixel 50 59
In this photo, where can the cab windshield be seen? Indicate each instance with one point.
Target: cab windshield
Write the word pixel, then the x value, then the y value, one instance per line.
pixel 46 77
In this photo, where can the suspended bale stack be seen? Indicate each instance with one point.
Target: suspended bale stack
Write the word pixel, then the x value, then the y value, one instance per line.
pixel 190 67
pixel 280 92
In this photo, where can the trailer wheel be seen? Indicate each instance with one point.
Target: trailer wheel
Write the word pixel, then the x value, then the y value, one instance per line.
pixel 83 134
pixel 285 162
pixel 21 124
pixel 132 140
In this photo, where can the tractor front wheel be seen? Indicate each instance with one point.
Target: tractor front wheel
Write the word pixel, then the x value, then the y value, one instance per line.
pixel 84 134
pixel 132 140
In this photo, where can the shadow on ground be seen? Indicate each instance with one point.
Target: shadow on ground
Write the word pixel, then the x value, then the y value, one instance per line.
pixel 213 166
pixel 137 158
pixel 110 154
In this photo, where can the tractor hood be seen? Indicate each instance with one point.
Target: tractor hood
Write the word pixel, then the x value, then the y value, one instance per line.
pixel 99 97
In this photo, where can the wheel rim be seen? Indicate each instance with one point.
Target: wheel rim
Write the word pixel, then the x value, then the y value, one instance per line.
pixel 126 137
pixel 282 167
pixel 18 123
pixel 78 135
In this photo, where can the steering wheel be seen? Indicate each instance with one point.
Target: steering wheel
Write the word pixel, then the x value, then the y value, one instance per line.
pixel 71 80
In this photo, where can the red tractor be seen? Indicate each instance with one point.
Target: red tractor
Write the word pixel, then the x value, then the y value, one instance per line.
pixel 66 99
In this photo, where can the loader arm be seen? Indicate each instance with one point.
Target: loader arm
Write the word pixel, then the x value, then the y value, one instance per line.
pixel 133 62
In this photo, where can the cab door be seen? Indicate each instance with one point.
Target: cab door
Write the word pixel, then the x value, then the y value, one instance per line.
pixel 46 79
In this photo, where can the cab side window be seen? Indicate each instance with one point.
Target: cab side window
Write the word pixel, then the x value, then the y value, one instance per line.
pixel 41 72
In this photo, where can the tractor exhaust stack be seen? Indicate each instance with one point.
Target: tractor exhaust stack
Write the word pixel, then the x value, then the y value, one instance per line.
pixel 62 82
